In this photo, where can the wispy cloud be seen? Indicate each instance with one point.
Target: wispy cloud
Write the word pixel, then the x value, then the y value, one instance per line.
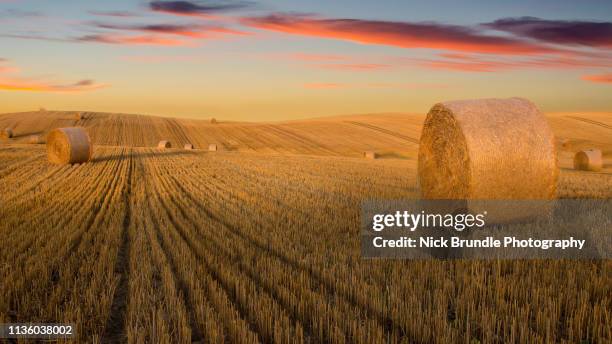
pixel 567 32
pixel 160 58
pixel 132 40
pixel 10 81
pixel 323 85
pixel 399 34
pixel 599 78
pixel 374 85
pixel 186 30
pixel 117 14
pixel 354 66
pixel 198 8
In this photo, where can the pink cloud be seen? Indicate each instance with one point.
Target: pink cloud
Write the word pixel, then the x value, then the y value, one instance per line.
pixel 600 78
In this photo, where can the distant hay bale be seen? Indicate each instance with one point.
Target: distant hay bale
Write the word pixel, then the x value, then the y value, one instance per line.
pixel 188 146
pixel 213 121
pixel 6 134
pixel 36 139
pixel 78 116
pixel 212 147
pixel 69 145
pixel 487 149
pixel 164 144
pixel 370 155
pixel 588 160
pixel 42 109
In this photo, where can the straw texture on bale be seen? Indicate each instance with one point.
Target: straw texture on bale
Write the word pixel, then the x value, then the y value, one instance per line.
pixel 487 149
pixel 164 144
pixel 370 155
pixel 588 160
pixel 6 134
pixel 69 145
pixel 36 139
pixel 188 146
pixel 212 147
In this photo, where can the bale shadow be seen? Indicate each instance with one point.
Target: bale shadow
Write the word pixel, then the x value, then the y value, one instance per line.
pixel 15 136
pixel 142 155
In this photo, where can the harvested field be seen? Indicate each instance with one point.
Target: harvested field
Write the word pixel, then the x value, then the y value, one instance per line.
pixel 259 241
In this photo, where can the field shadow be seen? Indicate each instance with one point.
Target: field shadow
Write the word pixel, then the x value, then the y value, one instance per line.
pixel 141 155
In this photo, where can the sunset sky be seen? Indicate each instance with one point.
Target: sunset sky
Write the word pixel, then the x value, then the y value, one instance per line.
pixel 276 60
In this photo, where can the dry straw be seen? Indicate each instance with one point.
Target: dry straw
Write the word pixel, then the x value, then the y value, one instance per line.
pixel 188 146
pixel 6 134
pixel 370 155
pixel 36 139
pixel 487 149
pixel 212 147
pixel 69 145
pixel 588 160
pixel 164 144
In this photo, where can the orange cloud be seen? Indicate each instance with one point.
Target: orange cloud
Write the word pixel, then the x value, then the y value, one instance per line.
pixel 398 34
pixel 16 83
pixel 11 84
pixel 601 78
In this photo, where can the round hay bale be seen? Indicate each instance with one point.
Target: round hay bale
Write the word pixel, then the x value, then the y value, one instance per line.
pixel 487 149
pixel 6 134
pixel 370 155
pixel 188 146
pixel 212 147
pixel 588 160
pixel 213 121
pixel 69 145
pixel 164 144
pixel 36 139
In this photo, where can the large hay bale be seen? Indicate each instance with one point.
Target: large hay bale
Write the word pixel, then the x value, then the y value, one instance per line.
pixel 188 146
pixel 487 149
pixel 212 147
pixel 36 139
pixel 6 134
pixel 370 155
pixel 69 145
pixel 588 160
pixel 164 144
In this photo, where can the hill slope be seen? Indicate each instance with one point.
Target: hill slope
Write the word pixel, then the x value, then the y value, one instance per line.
pixel 391 135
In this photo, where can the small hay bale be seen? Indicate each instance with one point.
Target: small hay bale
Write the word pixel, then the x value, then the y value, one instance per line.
pixel 212 147
pixel 487 149
pixel 78 116
pixel 370 155
pixel 213 121
pixel 69 145
pixel 188 146
pixel 164 144
pixel 36 139
pixel 6 134
pixel 588 160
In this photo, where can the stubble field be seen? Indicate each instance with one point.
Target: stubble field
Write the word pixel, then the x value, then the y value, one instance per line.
pixel 259 242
